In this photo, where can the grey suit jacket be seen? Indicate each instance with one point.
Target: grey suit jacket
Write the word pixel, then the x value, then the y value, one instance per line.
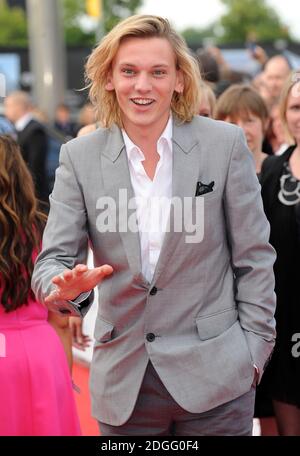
pixel 210 306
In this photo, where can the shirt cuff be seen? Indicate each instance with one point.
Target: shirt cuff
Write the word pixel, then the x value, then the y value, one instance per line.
pixel 80 299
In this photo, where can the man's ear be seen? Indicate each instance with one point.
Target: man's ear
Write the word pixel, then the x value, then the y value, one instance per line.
pixel 179 82
pixel 109 83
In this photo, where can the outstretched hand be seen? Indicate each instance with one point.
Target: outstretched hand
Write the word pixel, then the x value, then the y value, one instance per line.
pixel 75 281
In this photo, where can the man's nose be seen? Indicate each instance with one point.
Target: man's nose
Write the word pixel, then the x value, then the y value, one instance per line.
pixel 143 83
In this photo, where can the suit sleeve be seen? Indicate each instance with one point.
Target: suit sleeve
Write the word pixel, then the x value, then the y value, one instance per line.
pixel 252 256
pixel 65 240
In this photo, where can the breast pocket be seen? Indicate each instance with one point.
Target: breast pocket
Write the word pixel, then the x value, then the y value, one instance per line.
pixel 208 196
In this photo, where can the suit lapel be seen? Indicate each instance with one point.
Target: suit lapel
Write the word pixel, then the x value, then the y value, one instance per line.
pixel 116 180
pixel 187 158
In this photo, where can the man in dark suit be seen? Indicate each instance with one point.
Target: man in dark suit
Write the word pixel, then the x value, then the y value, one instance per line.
pixel 31 137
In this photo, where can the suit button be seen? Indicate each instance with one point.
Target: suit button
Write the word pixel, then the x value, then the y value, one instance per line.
pixel 153 291
pixel 64 311
pixel 150 337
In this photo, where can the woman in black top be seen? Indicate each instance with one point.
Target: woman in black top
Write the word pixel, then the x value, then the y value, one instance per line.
pixel 280 180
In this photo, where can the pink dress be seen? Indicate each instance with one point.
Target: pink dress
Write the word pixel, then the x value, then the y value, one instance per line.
pixel 36 395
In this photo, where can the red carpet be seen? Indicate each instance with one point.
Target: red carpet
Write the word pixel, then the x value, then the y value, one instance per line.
pixel 89 426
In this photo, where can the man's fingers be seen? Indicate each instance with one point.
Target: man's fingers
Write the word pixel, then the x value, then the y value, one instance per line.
pixel 58 280
pixel 104 270
pixel 80 269
pixel 67 275
pixel 72 282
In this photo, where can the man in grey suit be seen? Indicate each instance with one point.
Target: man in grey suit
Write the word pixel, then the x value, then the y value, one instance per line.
pixel 171 206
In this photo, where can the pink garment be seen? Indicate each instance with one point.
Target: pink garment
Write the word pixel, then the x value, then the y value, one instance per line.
pixel 36 395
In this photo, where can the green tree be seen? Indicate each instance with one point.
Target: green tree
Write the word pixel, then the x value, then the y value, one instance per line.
pixel 116 10
pixel 13 26
pixel 74 11
pixel 196 37
pixel 251 18
pixel 13 23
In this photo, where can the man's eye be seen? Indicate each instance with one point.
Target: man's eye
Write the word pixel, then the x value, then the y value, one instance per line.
pixel 127 71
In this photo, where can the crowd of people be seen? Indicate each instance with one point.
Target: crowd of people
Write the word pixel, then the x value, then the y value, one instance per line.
pixel 185 332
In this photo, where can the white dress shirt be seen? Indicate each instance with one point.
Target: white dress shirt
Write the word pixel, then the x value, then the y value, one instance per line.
pixel 153 197
pixel 23 121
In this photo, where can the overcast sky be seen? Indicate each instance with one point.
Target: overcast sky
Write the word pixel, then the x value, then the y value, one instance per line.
pixel 199 13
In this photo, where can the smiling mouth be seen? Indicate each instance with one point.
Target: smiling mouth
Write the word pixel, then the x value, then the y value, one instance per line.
pixel 142 101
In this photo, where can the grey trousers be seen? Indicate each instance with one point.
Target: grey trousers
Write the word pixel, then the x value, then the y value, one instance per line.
pixel 156 413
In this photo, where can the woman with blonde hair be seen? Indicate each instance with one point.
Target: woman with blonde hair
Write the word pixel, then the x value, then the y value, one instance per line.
pixel 36 393
pixel 280 181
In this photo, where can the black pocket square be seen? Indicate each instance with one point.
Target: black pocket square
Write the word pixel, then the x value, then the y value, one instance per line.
pixel 201 188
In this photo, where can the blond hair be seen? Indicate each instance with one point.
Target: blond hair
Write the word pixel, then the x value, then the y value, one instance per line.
pixel 99 64
pixel 292 80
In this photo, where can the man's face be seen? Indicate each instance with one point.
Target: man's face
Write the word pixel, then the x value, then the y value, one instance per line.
pixel 276 73
pixel 62 115
pixel 13 109
pixel 144 78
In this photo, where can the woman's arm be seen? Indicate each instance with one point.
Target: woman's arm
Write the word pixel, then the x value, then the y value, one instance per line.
pixel 61 326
